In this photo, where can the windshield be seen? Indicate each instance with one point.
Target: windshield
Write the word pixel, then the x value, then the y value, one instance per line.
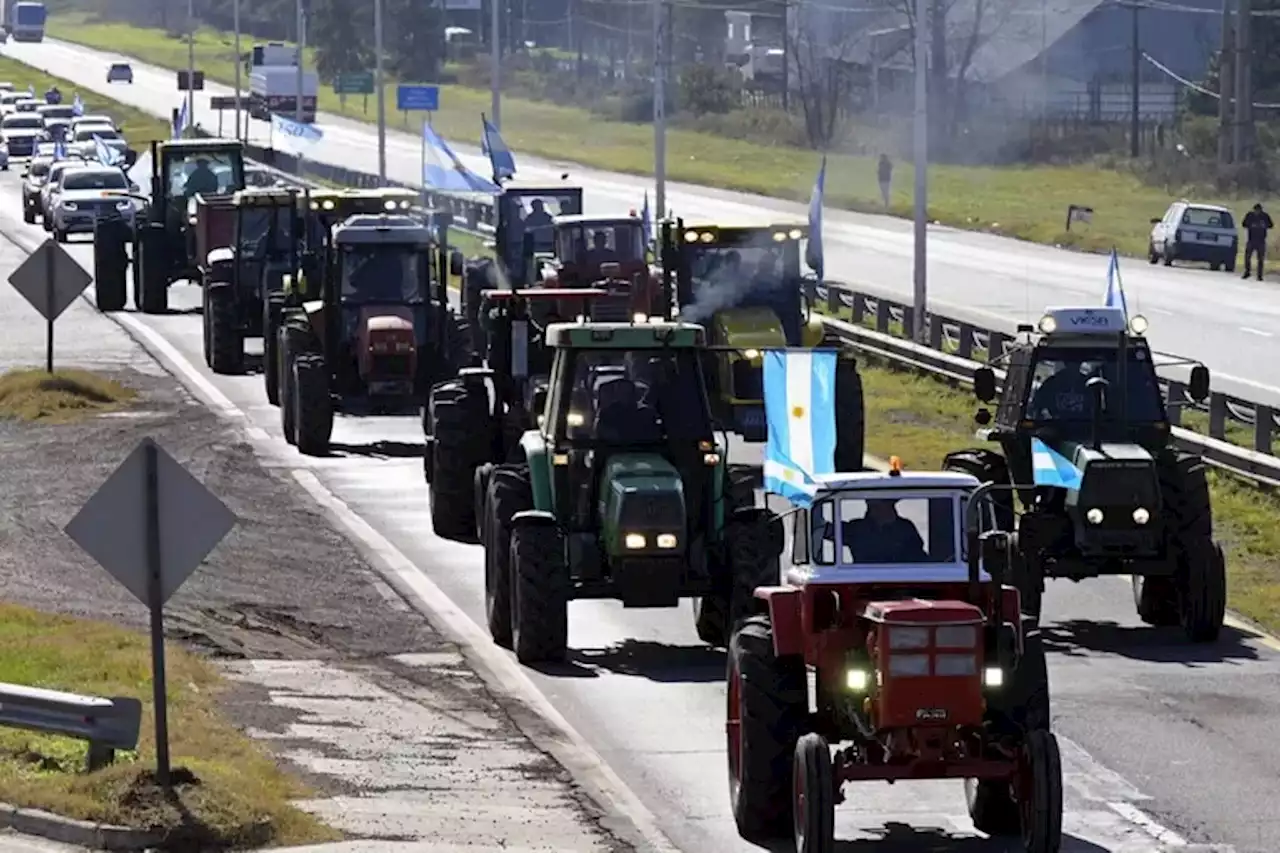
pixel 94 180
pixel 896 529
pixel 533 214
pixel 1207 218
pixel 196 172
pixel 87 134
pixel 1058 391
pixel 592 246
pixel 255 229
pixel 120 66
pixel 636 396
pixel 22 123
pixel 756 274
pixel 39 169
pixel 385 274
pixel 12 97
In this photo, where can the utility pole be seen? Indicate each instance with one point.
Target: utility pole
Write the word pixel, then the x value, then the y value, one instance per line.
pixel 661 59
pixel 1242 138
pixel 1226 86
pixel 921 157
pixel 191 65
pixel 1135 115
pixel 382 95
pixel 495 63
pixel 235 17
pixel 302 47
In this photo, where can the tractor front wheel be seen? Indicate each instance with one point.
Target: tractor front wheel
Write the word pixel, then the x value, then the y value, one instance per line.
pixel 271 351
pixel 226 346
pixel 151 272
pixel 507 492
pixel 813 796
pixel 1203 593
pixel 540 594
pixel 1040 797
pixel 313 409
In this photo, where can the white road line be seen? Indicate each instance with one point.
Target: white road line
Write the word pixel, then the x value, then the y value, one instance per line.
pixel 1137 816
pixel 1257 332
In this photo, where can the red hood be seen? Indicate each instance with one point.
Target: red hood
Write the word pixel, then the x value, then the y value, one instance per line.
pixel 379 322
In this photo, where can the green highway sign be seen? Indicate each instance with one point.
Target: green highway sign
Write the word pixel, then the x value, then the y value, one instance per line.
pixel 354 83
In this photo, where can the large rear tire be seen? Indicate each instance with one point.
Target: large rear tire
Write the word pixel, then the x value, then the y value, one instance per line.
pixel 986 466
pixel 226 345
pixel 151 279
pixel 110 264
pixel 1200 583
pixel 508 492
pixel 271 351
pixel 1203 597
pixel 313 412
pixel 540 594
pixel 461 440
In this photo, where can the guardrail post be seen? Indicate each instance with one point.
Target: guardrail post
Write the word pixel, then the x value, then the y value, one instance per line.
pixel 834 305
pixel 882 316
pixel 908 320
pixel 964 340
pixel 995 345
pixel 1264 423
pixel 859 307
pixel 936 330
pixel 1175 398
pixel 98 756
pixel 1217 415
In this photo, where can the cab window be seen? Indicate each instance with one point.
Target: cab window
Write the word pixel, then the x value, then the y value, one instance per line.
pixel 636 396
pixel 1058 391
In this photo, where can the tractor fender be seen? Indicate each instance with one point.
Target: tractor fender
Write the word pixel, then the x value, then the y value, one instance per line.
pixel 222 255
pixel 786 615
pixel 533 518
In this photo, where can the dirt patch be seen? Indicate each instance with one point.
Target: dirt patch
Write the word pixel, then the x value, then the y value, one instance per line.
pixel 61 396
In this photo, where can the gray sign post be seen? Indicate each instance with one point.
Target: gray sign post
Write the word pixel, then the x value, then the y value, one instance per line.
pixel 50 279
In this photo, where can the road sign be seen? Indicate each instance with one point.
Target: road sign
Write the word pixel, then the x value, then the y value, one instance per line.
pixel 150 525
pixel 418 98
pixel 222 102
pixel 354 83
pixel 196 83
pixel 50 279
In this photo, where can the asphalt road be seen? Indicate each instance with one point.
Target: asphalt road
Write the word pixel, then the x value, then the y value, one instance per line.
pixel 1165 746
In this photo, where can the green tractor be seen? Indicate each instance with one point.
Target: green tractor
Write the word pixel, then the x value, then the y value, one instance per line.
pixel 380 334
pixel 1085 442
pixel 746 286
pixel 618 492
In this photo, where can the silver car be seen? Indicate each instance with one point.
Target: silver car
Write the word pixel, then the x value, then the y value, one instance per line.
pixel 1195 232
pixel 84 195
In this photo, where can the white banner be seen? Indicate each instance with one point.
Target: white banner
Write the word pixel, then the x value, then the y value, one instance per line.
pixel 294 137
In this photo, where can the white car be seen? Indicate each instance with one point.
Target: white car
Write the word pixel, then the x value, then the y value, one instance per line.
pixel 83 195
pixel 4 156
pixel 9 101
pixel 93 119
pixel 82 140
pixel 21 132
pixel 50 187
pixel 28 104
pixel 1195 232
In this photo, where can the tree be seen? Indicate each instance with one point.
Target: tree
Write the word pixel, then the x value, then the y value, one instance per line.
pixel 342 38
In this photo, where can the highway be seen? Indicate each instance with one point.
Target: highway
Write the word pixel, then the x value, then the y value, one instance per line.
pixel 1165 746
pixel 1217 318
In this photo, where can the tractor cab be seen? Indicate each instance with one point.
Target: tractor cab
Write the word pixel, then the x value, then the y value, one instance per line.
pixel 606 253
pixel 267 236
pixel 526 225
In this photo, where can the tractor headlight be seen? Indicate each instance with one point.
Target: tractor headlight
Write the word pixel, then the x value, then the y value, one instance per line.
pixel 691 236
pixel 667 540
pixel 993 676
pixel 711 459
pixel 1138 325
pixel 751 354
pixel 1048 324
pixel 327 204
pixel 389 204
pixel 634 541
pixel 1094 516
pixel 1141 516
pixel 640 318
pixel 575 419
pixel 857 680
pixel 795 233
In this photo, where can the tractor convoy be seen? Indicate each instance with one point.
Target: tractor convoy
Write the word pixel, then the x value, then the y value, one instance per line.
pixel 580 406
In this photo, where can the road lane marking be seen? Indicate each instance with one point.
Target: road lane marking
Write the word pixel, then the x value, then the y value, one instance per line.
pixel 1138 817
pixel 1257 332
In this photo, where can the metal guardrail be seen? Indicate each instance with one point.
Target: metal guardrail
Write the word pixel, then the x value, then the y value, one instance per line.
pixel 953 344
pixel 106 724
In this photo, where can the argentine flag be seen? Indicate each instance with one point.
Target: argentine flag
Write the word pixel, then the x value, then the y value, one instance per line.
pixel 500 159
pixel 1050 468
pixel 443 171
pixel 800 413
pixel 1115 287
pixel 813 252
pixel 180 123
pixel 77 106
pixel 106 155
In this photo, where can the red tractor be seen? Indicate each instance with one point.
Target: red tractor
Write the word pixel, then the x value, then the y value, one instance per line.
pixel 608 253
pixel 922 666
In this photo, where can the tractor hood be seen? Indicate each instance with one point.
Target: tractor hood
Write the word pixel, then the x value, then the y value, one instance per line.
pixel 1116 479
pixel 749 328
pixel 642 507
pixel 382 332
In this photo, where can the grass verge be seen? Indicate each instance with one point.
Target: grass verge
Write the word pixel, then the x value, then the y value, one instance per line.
pixel 229 792
pixel 136 126
pixel 59 397
pixel 920 420
pixel 1028 202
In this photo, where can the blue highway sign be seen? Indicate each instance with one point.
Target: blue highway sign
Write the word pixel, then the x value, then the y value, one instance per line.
pixel 418 98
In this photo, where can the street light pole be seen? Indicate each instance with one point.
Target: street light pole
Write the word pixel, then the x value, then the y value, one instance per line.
pixel 660 109
pixel 495 63
pixel 191 65
pixel 235 16
pixel 921 157
pixel 382 97
pixel 302 47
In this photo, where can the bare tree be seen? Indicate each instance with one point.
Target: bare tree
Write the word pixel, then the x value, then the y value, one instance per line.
pixel 823 53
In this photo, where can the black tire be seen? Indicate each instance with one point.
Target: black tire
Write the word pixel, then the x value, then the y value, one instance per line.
pixel 988 467
pixel 1167 257
pixel 1231 265
pixel 28 215
pixel 1213 267
pixel 460 441
pixel 1153 257
pixel 313 410
pixel 110 265
pixel 1156 600
pixel 151 280
pixel 1184 490
pixel 772 712
pixel 480 489
pixel 1023 704
pixel 1026 573
pixel 992 807
pixel 851 430
pixel 1203 597
pixel 1042 812
pixel 271 352
pixel 293 342
pixel 226 346
pixel 59 235
pixel 539 594
pixel 509 491
pixel 749 566
pixel 814 820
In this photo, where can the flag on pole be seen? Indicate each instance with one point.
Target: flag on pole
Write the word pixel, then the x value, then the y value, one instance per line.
pixel 106 155
pixel 813 252
pixel 180 123
pixel 77 106
pixel 646 221
pixel 297 138
pixel 1115 287
pixel 800 413
pixel 443 171
pixel 31 89
pixel 504 165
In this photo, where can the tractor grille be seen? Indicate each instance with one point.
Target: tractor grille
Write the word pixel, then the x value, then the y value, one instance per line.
pixel 391 367
pixel 611 309
pixel 748 380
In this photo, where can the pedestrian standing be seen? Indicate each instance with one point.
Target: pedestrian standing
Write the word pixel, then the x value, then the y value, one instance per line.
pixel 1257 223
pixel 885 174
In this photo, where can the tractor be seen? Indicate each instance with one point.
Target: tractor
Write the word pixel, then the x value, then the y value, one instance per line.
pixel 167 237
pixel 240 280
pixel 607 253
pixel 380 333
pixel 1084 442
pixel 615 489
pixel 745 285
pixel 895 640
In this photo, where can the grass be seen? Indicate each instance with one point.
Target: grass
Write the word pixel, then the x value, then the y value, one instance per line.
pixel 229 791
pixel 59 397
pixel 1028 202
pixel 920 420
pixel 136 126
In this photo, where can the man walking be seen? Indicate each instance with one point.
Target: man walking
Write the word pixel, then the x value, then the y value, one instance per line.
pixel 1257 223
pixel 885 174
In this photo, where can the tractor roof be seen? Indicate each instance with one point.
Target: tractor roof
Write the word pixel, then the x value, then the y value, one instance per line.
pixel 585 219
pixel 365 228
pixel 736 234
pixel 265 197
pixel 886 481
pixel 1092 322
pixel 208 144
pixel 521 189
pixel 651 335
pixel 371 201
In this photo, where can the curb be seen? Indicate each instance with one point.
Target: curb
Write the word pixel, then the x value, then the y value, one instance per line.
pixel 81 833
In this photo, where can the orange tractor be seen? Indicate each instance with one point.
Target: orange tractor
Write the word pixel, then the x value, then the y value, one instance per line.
pixel 606 253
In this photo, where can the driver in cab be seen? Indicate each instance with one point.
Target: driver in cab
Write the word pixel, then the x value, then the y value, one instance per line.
pixel 600 253
pixel 883 536
pixel 201 181
pixel 1064 395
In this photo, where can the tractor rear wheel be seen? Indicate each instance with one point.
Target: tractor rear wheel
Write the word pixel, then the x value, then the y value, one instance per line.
pixel 293 342
pixel 751 564
pixel 508 491
pixel 110 264
pixel 271 351
pixel 313 410
pixel 851 430
pixel 711 612
pixel 460 441
pixel 151 272
pixel 768 710
pixel 226 346
pixel 1200 583
pixel 1156 600
pixel 540 594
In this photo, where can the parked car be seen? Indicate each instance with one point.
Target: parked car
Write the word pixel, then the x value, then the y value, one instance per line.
pixel 120 72
pixel 1195 232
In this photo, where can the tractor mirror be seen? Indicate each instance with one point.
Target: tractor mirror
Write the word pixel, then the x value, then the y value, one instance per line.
pixel 1198 389
pixel 540 401
pixel 800 538
pixel 456 262
pixel 984 384
pixel 777 540
pixel 982 417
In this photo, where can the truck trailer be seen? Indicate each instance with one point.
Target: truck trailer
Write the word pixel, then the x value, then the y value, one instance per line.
pixel 24 21
pixel 273 83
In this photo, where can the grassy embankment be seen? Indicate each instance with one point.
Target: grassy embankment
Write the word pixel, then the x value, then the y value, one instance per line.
pixel 1029 203
pixel 59 397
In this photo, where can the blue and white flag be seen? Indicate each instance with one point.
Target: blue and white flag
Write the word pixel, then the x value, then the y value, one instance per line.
pixel 1115 287
pixel 295 137
pixel 646 221
pixel 800 413
pixel 31 89
pixel 77 106
pixel 1051 468
pixel 443 171
pixel 180 123
pixel 106 155
pixel 504 165
pixel 813 252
